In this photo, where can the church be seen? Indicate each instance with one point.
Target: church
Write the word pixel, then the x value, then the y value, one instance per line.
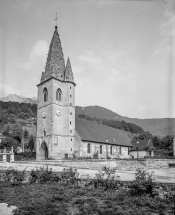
pixel 60 134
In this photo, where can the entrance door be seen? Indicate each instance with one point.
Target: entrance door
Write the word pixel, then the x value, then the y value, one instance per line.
pixel 66 156
pixel 44 151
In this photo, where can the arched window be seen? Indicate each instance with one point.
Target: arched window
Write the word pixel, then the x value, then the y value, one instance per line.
pixel 88 148
pixel 45 92
pixel 100 149
pixel 59 95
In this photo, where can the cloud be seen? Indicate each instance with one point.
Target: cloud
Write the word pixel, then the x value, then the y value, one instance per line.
pixel 107 78
pixel 6 89
pixel 103 3
pixel 120 81
pixel 23 6
pixel 168 27
pixel 90 58
pixel 37 56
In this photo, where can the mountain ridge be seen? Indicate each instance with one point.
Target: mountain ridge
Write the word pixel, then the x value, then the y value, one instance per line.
pixel 156 126
pixel 19 98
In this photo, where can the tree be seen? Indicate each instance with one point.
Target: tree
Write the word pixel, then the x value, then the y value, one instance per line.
pixel 6 131
pixel 9 142
pixel 6 143
pixel 156 142
pixel 26 133
pixel 17 130
pixel 31 144
pixel 167 142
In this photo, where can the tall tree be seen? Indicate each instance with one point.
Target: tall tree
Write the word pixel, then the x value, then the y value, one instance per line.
pixel 31 143
pixel 156 142
pixel 26 133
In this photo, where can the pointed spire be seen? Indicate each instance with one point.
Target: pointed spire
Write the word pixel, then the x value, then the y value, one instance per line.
pixel 55 65
pixel 68 72
pixel 42 77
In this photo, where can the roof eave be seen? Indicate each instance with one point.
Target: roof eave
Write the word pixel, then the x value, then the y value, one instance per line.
pixel 55 79
pixel 107 143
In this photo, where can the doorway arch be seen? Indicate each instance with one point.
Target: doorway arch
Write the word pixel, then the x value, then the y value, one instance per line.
pixel 44 151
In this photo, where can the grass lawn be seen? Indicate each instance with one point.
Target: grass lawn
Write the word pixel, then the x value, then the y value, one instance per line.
pixel 52 198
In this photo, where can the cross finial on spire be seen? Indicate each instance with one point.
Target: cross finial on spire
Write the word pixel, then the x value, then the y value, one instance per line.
pixel 56 19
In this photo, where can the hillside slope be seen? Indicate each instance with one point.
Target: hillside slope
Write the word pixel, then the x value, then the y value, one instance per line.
pixel 159 127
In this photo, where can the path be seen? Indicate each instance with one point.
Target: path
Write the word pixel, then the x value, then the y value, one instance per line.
pixel 166 175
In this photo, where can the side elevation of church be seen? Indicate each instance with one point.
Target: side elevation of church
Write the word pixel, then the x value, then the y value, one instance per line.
pixel 59 133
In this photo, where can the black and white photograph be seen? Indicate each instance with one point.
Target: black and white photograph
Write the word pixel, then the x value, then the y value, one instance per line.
pixel 87 107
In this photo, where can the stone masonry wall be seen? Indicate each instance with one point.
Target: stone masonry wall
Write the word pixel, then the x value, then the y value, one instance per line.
pixel 59 128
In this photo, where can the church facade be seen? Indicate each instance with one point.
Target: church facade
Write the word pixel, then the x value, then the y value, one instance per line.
pixel 59 133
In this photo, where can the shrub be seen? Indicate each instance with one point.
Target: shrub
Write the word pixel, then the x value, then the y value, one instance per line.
pixel 143 183
pixel 12 176
pixel 106 179
pixel 41 175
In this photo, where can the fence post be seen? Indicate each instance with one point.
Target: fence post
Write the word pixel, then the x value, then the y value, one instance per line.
pixel 12 155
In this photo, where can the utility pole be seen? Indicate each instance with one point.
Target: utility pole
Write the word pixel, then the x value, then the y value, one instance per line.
pixel 137 150
pixel 173 146
pixel 22 140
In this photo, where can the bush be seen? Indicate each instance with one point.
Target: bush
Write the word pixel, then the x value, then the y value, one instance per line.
pixel 12 176
pixel 25 156
pixel 61 196
pixel 41 175
pixel 143 183
pixel 106 179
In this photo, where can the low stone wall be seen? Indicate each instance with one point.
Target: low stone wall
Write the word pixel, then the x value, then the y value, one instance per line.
pixel 158 163
pixel 120 164
pixel 92 164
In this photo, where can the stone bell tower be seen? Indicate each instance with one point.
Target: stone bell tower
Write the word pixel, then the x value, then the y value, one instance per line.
pixel 56 106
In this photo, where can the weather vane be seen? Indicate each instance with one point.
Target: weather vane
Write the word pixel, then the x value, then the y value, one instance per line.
pixel 56 19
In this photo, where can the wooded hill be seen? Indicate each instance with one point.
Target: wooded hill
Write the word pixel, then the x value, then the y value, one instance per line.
pixel 159 127
pixel 25 113
pixel 17 116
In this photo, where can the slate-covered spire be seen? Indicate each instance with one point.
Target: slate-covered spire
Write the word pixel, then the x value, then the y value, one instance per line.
pixel 55 65
pixel 68 72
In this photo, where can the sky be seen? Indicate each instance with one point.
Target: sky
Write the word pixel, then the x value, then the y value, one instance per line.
pixel 122 52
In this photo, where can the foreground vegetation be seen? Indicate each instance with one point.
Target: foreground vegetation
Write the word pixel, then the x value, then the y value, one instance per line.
pixel 44 192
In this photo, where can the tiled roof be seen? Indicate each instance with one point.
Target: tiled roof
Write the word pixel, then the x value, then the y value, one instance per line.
pixel 142 145
pixel 94 132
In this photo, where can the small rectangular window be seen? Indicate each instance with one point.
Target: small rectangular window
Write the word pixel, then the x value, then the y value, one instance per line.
pixel 88 148
pixel 70 113
pixel 70 131
pixel 70 104
pixel 70 95
pixel 120 151
pixel 100 149
pixel 111 150
pixel 70 123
